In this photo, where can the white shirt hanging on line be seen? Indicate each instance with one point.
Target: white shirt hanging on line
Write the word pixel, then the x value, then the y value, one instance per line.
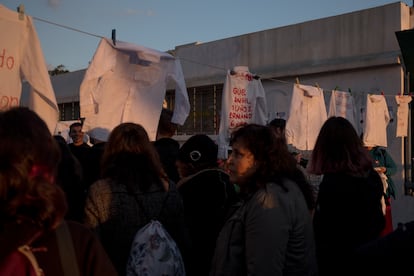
pixel 402 114
pixel 376 120
pixel 342 104
pixel 127 83
pixel 306 116
pixel 21 57
pixel 243 102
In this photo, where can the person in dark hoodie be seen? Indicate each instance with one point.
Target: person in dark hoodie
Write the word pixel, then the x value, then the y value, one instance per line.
pixel 207 197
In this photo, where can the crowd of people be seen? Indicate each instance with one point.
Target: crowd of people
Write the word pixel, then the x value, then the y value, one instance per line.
pixel 255 213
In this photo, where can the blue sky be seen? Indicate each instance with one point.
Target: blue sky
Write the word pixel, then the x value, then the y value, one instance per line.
pixel 164 24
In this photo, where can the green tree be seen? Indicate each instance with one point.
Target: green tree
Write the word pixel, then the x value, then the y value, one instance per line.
pixel 60 69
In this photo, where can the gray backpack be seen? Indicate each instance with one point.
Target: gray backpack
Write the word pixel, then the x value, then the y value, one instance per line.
pixel 153 251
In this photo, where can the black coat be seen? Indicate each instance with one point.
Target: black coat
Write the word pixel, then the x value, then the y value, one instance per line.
pixel 207 198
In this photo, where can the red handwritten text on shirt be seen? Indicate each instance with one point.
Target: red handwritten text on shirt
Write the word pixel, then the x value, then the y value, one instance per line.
pixel 6 61
pixel 241 109
pixel 8 101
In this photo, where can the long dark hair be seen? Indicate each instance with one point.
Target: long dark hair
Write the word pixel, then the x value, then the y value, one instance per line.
pixel 29 157
pixel 338 148
pixel 274 161
pixel 131 159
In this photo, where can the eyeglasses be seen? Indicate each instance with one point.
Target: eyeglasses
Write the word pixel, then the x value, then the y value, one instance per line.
pixel 195 155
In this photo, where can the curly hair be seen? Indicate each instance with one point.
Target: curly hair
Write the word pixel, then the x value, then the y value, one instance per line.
pixel 273 159
pixel 29 157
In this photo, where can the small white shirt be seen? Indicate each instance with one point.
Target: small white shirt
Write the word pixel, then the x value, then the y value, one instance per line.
pixel 402 114
pixel 307 114
pixel 376 120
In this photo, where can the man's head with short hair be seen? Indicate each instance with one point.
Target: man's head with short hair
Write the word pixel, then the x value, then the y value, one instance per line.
pixel 76 133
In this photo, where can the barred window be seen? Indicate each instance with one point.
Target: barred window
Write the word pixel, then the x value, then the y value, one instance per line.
pixel 204 116
pixel 69 111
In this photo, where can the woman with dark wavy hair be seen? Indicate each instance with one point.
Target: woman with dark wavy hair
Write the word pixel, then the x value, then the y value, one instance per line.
pixel 32 206
pixel 349 211
pixel 271 232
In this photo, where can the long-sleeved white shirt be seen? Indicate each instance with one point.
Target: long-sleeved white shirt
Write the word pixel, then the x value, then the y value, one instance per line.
pixel 243 102
pixel 342 104
pixel 306 116
pixel 377 118
pixel 21 58
pixel 127 83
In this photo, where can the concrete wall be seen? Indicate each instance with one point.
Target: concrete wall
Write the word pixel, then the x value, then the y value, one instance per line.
pixel 348 41
pixel 357 51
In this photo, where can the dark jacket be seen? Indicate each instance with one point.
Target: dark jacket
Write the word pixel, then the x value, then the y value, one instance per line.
pixel 270 234
pixel 168 149
pixel 84 155
pixel 382 158
pixel 348 214
pixel 207 197
pixel 389 255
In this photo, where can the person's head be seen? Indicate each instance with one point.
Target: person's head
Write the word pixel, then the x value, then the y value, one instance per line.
pixel 278 125
pixel 29 156
pixel 197 153
pixel 257 156
pixel 338 148
pixel 130 156
pixel 98 135
pixel 166 128
pixel 76 133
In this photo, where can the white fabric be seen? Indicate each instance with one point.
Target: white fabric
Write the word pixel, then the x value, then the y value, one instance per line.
pixel 21 58
pixel 342 104
pixel 402 115
pixel 307 114
pixel 376 120
pixel 243 102
pixel 384 180
pixel 127 83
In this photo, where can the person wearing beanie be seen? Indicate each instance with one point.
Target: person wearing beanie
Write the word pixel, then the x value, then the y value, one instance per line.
pixel 207 196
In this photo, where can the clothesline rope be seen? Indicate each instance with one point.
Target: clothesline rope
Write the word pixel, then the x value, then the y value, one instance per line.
pixel 283 81
pixel 66 27
pixel 188 60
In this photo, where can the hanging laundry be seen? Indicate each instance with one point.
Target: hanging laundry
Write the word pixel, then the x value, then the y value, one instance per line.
pixel 243 102
pixel 402 114
pixel 306 116
pixel 127 83
pixel 376 121
pixel 21 59
pixel 342 104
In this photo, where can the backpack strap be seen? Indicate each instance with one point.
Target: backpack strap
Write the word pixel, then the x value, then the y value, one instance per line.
pixel 67 251
pixel 28 253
